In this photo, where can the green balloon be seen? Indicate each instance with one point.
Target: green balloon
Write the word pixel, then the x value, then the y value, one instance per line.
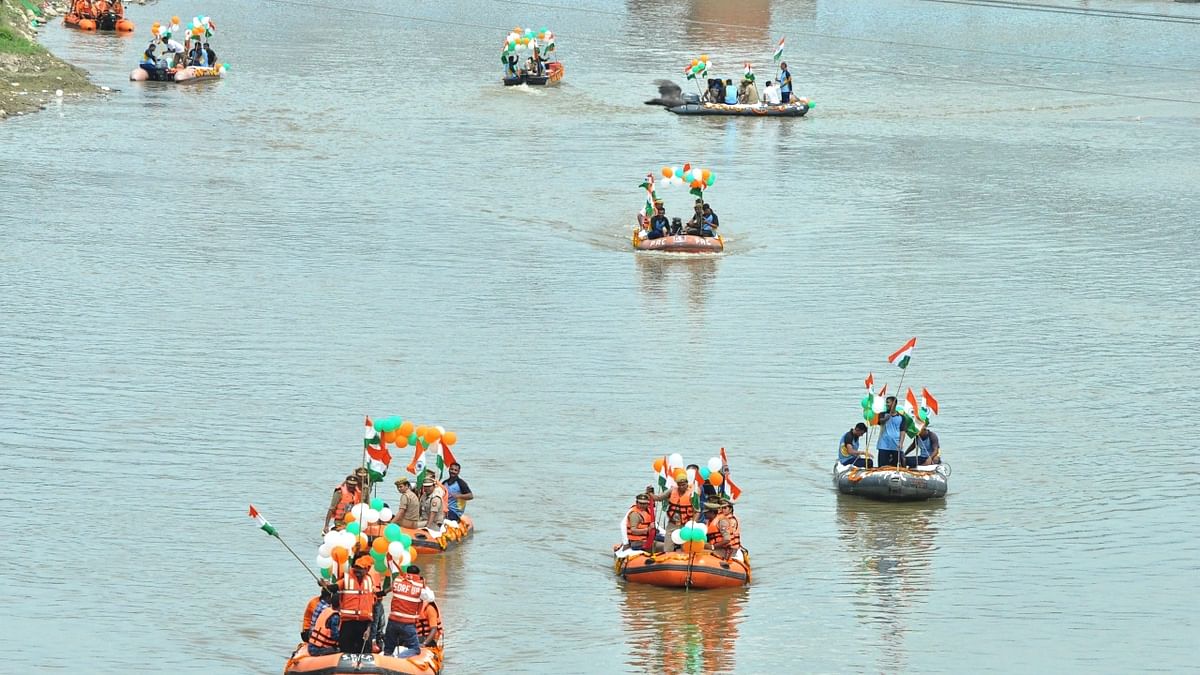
pixel 868 414
pixel 377 504
pixel 392 532
pixel 354 528
pixel 380 424
pixel 812 104
pixel 711 177
pixel 380 565
pixel 325 572
pixel 377 555
pixel 412 438
pixel 404 540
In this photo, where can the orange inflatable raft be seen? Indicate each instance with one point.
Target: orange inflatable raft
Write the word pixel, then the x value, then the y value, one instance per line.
pixel 677 243
pixel 427 542
pixel 428 662
pixel 684 570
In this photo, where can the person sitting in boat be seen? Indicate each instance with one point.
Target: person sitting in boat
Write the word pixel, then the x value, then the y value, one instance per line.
pixel 724 531
pixel 408 511
pixel 748 93
pixel 695 225
pixel 196 55
pixel 929 449
pixel 710 223
pixel 460 492
pixel 848 452
pixel 212 55
pixel 771 94
pixel 325 634
pixel 891 422
pixel 659 225
pixel 536 67
pixel 731 94
pixel 312 612
pixel 715 92
pixel 639 524
pixel 149 60
pixel 676 226
pixel 429 625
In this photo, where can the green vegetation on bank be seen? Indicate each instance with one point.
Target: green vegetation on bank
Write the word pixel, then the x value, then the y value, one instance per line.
pixel 30 76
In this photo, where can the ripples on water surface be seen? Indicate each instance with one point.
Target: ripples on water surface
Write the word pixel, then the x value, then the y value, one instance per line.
pixel 203 289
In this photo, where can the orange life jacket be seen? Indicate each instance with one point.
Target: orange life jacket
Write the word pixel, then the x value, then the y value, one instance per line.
pixel 307 622
pixel 101 7
pixel 374 529
pixel 406 598
pixel 349 498
pixel 679 506
pixel 429 621
pixel 358 599
pixel 445 498
pixel 647 519
pixel 322 635
pixel 735 532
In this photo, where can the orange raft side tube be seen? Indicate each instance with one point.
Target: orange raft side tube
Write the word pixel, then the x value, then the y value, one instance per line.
pixel 681 570
pixel 428 662
pixel 426 544
pixel 124 26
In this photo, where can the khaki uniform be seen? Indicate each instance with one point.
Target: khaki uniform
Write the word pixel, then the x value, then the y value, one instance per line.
pixel 432 502
pixel 408 511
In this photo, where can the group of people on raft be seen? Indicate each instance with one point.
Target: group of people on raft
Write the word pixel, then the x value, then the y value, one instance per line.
pixel 891 423
pixel 534 66
pixel 348 615
pixel 746 93
pixel 704 222
pixel 94 9
pixel 724 531
pixel 196 52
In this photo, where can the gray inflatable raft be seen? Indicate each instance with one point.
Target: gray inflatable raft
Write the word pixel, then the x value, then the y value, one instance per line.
pixel 742 109
pixel 893 484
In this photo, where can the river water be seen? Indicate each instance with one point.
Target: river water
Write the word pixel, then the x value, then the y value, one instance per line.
pixel 204 288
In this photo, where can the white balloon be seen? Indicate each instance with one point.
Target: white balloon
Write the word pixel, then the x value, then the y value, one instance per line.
pixel 406 559
pixel 358 510
pixel 324 561
pixel 386 515
pixel 347 540
pixel 332 537
pixel 691 474
pixel 441 430
pixel 323 551
pixel 371 516
pixel 675 460
pixel 396 550
pixel 677 537
pixel 714 464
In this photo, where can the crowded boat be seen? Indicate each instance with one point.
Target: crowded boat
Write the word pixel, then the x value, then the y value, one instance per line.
pixel 656 231
pixel 896 472
pixel 98 15
pixel 529 57
pixel 694 540
pixel 165 59
pixel 721 96
pixel 373 610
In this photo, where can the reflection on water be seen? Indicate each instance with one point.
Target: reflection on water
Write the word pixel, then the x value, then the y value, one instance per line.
pixel 893 543
pixel 691 275
pixel 677 631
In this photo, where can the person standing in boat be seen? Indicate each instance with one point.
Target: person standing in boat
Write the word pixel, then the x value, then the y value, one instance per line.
pixel 785 83
pixel 409 593
pixel 459 492
pixel 929 449
pixel 432 505
pixel 679 508
pixel 848 452
pixel 210 55
pixel 345 496
pixel 891 423
pixel 172 50
pixel 357 592
pixel 408 510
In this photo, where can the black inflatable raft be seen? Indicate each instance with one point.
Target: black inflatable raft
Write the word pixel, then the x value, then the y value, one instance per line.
pixel 893 484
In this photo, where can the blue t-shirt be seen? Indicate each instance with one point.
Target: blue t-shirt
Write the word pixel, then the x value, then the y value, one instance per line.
pixel 731 96
pixel 889 439
pixel 785 80
pixel 850 439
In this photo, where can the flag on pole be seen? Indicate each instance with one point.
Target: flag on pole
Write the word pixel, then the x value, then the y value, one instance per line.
pixel 901 356
pixel 778 50
pixel 748 74
pixel 662 475
pixel 378 457
pixel 870 381
pixel 734 490
pixel 883 392
pixel 417 465
pixel 911 399
pixel 445 458
pixel 930 401
pixel 648 184
pixel 262 522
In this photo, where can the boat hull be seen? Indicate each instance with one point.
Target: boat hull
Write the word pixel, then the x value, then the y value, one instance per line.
pixel 683 570
pixel 554 75
pixel 427 544
pixel 893 484
pixel 428 662
pixel 740 110
pixel 189 74
pixel 676 243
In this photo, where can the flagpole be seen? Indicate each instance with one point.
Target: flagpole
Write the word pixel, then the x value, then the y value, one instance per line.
pixel 900 388
pixel 289 548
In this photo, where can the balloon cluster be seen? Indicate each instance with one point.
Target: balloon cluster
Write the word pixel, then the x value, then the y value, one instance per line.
pixel 692 537
pixel 343 545
pixel 402 433
pixel 698 68
pixel 673 467
pixel 696 178
pixel 527 40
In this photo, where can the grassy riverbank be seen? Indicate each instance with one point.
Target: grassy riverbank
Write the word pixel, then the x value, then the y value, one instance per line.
pixel 30 76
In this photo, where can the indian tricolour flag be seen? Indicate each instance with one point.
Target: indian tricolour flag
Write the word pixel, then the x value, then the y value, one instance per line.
pixel 262 522
pixel 648 184
pixel 930 401
pixel 748 73
pixel 779 50
pixel 901 356
pixel 445 457
pixel 378 457
pixel 734 490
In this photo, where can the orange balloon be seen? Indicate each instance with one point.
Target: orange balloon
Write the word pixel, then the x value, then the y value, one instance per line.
pixel 412 552
pixel 406 429
pixel 658 464
pixel 449 438
pixel 704 57
pixel 388 437
pixel 705 174
pixel 695 62
pixel 421 430
pixel 697 183
pixel 349 518
pixel 401 441
pixel 432 434
pixel 380 545
pixel 340 554
pixel 174 19
pixel 716 478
